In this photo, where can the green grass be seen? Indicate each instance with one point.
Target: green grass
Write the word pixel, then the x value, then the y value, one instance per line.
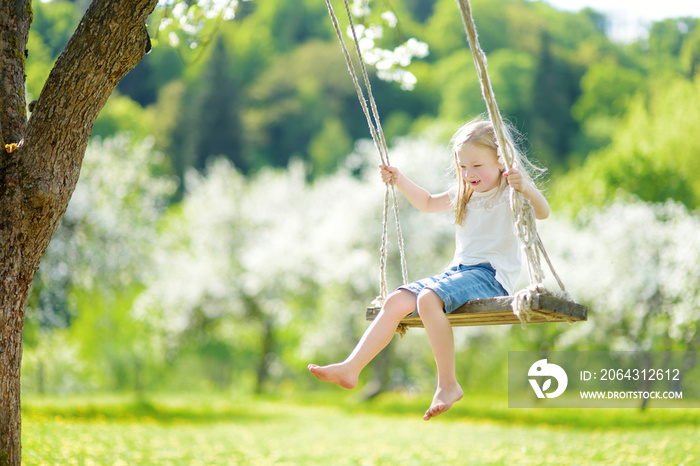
pixel 323 429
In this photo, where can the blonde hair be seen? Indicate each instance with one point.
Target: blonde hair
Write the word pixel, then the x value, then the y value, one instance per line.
pixel 480 132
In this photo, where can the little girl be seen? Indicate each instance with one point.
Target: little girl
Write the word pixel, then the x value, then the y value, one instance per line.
pixel 486 261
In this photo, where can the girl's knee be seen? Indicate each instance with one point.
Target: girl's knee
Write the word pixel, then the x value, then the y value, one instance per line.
pixel 400 302
pixel 429 301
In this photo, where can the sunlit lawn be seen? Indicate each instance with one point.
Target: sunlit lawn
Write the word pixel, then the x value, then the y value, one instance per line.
pixel 215 430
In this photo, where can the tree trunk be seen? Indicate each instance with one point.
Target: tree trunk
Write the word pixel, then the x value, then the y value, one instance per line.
pixel 38 179
pixel 254 312
pixel 268 346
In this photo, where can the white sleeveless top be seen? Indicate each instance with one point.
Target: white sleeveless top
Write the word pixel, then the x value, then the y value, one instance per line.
pixel 488 234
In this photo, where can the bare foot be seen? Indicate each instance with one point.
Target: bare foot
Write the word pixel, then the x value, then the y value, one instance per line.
pixel 443 400
pixel 334 373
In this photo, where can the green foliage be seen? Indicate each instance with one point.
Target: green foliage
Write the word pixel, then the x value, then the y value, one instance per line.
pixel 461 91
pixel 290 102
pixel 38 65
pixel 512 73
pixel 651 155
pixel 607 90
pixel 420 10
pixel 155 71
pixel 567 30
pixel 329 146
pixel 164 116
pixel 54 23
pixel 293 23
pixel 111 341
pixel 666 37
pixel 251 46
pixel 51 364
pixel 444 30
pixel 122 114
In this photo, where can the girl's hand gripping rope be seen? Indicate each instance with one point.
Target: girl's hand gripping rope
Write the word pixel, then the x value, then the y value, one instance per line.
pixel 389 173
pixel 515 179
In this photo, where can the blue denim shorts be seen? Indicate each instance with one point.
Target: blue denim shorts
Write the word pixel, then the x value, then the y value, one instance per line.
pixel 459 284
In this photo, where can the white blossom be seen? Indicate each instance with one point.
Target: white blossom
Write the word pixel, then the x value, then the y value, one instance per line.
pixel 360 8
pixel 390 18
pixel 390 64
pixel 191 18
pixel 173 39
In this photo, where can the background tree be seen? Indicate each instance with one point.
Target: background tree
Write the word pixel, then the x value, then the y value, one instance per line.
pixel 550 123
pixel 219 129
pixel 211 125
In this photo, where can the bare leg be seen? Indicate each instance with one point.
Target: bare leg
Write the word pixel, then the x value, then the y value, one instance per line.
pixel 439 330
pixel 380 332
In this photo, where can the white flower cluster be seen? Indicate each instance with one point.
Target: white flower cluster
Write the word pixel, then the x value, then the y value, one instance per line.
pixel 190 19
pixel 390 64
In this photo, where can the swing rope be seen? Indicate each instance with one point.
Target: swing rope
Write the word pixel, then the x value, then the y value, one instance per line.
pixel 522 210
pixel 375 128
pixel 524 217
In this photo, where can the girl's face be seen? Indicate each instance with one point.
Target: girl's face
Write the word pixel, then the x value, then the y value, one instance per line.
pixel 479 167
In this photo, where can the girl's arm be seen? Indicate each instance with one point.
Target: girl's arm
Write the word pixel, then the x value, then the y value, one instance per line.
pixel 417 196
pixel 529 192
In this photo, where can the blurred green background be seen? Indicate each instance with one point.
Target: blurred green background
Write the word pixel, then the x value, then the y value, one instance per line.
pixel 225 230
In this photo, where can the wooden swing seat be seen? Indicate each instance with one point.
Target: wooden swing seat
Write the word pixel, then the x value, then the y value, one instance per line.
pixel 498 311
